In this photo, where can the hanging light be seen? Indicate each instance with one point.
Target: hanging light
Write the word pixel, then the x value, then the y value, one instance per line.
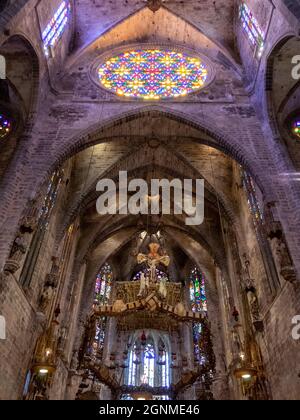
pixel 245 373
pixel 43 371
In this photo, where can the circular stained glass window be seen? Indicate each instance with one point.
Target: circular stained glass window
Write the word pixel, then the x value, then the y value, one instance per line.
pixel 153 74
pixel 296 128
pixel 5 126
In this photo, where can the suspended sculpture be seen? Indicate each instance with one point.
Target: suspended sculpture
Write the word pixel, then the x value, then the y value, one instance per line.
pixel 153 259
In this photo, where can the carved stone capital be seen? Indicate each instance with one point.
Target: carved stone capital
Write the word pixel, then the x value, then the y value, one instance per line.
pixel 11 266
pixel 288 273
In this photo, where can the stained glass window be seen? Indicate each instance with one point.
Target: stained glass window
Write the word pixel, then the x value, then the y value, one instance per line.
pixel 45 212
pixel 296 128
pixel 134 361
pixel 102 293
pixel 5 126
pixel 252 28
pixel 253 202
pixel 258 220
pixel 199 304
pixel 163 365
pixel 153 74
pixel 149 360
pixel 50 197
pixel 197 291
pixel 103 285
pixel 148 364
pixel 126 397
pixel 56 26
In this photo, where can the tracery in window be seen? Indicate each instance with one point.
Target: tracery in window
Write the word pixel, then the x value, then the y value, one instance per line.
pixel 253 203
pixel 102 294
pixel 103 285
pixel 149 363
pixel 197 291
pixel 252 29
pixel 199 304
pixel 153 74
pixel 56 27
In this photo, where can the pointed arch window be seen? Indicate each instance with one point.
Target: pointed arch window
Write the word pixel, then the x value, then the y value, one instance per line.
pixel 197 291
pixel 103 285
pixel 44 217
pixel 102 294
pixel 163 362
pixel 199 304
pixel 253 203
pixel 149 364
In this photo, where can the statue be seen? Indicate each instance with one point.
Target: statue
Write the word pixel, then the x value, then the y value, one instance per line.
pixel 18 250
pixel 163 288
pixel 252 298
pixel 49 286
pixel 119 305
pixel 46 297
pixel 180 309
pixel 283 259
pixel 153 259
pixel 144 287
pixel 254 309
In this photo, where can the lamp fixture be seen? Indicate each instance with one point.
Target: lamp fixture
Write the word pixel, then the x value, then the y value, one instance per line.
pixel 245 373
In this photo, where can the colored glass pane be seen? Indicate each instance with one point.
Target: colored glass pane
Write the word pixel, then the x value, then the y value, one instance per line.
pixel 103 285
pixel 252 28
pixel 5 126
pixel 56 26
pixel 153 74
pixel 197 291
pixel 296 128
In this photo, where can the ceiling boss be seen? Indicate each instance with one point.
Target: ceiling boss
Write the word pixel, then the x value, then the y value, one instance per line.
pixel 154 5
